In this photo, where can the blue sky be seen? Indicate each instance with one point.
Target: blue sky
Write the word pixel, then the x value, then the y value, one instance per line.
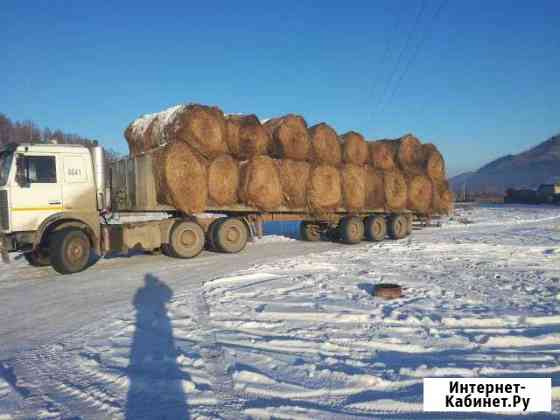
pixel 478 78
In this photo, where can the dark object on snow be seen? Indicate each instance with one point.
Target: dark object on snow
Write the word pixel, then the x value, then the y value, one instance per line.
pixel 387 291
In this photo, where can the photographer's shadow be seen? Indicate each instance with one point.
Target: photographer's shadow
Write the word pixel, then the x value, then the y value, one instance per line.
pixel 155 379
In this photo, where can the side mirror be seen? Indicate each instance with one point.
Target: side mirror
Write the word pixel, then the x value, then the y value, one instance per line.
pixel 21 171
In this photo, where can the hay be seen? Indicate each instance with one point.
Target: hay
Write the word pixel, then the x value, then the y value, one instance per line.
pixel 381 156
pixel 260 183
pixel 293 177
pixel 395 187
pixel 325 147
pixel 433 162
pixel 290 139
pixel 246 137
pixel 354 148
pixel 138 134
pixel 375 190
pixel 324 188
pixel 420 193
pixel 410 154
pixel 442 198
pixel 353 187
pixel 181 178
pixel 223 181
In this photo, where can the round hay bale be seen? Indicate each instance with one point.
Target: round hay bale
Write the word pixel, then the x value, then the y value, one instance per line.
pixel 442 198
pixel 353 187
pixel 181 177
pixel 354 148
pixel 381 156
pixel 325 147
pixel 293 177
pixel 290 139
pixel 433 161
pixel 139 134
pixel 420 194
pixel 223 181
pixel 324 191
pixel 410 155
pixel 246 137
pixel 260 183
pixel 396 189
pixel 375 190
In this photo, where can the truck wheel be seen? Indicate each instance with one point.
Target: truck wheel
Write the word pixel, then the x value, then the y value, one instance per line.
pixel 230 235
pixel 351 230
pixel 69 250
pixel 409 225
pixel 309 231
pixel 375 228
pixel 186 240
pixel 211 233
pixel 398 226
pixel 38 258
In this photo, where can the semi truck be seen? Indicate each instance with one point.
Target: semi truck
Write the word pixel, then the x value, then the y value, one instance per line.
pixel 60 204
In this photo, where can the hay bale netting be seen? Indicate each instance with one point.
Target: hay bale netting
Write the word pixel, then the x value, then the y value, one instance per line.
pixel 375 190
pixel 260 183
pixel 246 137
pixel 410 154
pixel 354 148
pixel 324 189
pixel 381 155
pixel 181 177
pixel 353 187
pixel 420 193
pixel 433 161
pixel 223 181
pixel 138 134
pixel 293 177
pixel 442 197
pixel 395 187
pixel 290 139
pixel 325 146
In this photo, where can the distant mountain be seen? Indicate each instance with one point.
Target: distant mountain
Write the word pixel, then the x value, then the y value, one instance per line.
pixel 539 165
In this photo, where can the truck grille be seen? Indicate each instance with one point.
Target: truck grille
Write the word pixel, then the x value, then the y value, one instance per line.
pixel 4 215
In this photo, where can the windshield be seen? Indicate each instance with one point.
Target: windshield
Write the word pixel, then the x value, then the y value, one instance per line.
pixel 5 164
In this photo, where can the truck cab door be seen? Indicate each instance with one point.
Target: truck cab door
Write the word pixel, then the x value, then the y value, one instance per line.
pixel 38 194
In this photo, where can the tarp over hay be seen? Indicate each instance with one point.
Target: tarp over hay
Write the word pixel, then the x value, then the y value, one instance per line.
pixel 203 159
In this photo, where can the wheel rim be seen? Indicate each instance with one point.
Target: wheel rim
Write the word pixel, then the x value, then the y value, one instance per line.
pixel 233 235
pixel 353 230
pixel 377 228
pixel 187 238
pixel 76 250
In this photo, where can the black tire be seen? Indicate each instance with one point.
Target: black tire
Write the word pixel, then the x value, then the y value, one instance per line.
pixel 398 226
pixel 375 228
pixel 351 230
pixel 186 240
pixel 230 235
pixel 37 258
pixel 309 231
pixel 212 232
pixel 69 250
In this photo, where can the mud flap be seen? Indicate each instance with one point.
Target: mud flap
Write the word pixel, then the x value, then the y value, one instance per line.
pixel 4 249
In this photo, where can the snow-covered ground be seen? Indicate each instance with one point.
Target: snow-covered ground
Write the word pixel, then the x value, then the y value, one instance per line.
pixel 301 336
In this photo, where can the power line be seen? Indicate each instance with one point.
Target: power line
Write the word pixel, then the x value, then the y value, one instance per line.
pixel 402 53
pixel 418 47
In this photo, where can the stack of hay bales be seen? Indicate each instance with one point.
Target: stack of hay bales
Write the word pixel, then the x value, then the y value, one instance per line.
pixel 203 158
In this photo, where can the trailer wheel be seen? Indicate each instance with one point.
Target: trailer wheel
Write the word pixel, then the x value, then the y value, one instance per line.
pixel 186 240
pixel 230 235
pixel 37 258
pixel 69 250
pixel 409 225
pixel 398 226
pixel 309 231
pixel 211 233
pixel 375 228
pixel 351 230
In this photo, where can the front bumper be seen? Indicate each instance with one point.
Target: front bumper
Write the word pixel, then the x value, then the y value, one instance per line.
pixel 4 248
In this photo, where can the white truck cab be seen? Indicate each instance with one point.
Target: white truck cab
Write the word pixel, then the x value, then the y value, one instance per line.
pixel 46 188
